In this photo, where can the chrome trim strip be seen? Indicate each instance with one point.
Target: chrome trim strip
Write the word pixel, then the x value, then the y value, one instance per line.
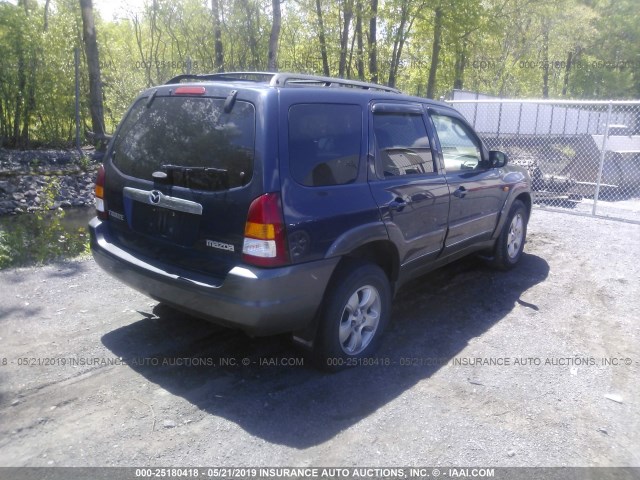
pixel 165 201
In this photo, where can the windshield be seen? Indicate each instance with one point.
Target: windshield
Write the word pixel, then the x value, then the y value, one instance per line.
pixel 192 139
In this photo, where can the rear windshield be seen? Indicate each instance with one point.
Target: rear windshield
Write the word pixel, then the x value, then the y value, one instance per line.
pixel 191 139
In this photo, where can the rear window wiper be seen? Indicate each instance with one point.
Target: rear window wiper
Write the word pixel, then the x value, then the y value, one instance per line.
pixel 197 177
pixel 151 98
pixel 178 168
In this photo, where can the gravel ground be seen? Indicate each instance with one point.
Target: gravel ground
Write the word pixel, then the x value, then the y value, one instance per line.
pixel 534 367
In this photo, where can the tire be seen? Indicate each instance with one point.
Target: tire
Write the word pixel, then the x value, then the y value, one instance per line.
pixel 355 313
pixel 510 244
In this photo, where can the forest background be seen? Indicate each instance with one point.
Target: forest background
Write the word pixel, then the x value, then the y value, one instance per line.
pixel 570 49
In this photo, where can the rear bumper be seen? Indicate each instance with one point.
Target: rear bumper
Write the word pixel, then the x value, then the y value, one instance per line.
pixel 260 301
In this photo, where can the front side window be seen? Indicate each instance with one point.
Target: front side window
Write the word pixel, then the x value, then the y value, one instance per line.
pixel 460 149
pixel 324 143
pixel 192 139
pixel 402 144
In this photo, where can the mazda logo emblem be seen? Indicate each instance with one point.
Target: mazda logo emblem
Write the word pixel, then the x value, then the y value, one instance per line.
pixel 154 197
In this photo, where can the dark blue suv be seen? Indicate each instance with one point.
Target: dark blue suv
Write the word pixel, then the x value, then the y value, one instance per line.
pixel 278 203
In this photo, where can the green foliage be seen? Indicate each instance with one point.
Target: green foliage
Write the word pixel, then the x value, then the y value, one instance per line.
pixel 85 162
pixel 40 238
pixel 49 193
pixel 516 48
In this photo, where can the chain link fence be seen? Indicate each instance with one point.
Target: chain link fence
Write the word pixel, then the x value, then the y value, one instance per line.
pixel 583 157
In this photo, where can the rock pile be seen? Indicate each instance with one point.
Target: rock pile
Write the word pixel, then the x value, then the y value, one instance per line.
pixel 45 179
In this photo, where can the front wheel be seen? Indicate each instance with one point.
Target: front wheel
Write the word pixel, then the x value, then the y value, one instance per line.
pixel 510 243
pixel 356 312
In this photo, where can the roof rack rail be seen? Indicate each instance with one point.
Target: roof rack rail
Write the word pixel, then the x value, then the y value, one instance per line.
pixel 283 80
pixel 300 80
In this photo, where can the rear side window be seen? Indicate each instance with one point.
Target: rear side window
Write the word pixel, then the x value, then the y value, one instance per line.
pixel 402 144
pixel 191 139
pixel 324 143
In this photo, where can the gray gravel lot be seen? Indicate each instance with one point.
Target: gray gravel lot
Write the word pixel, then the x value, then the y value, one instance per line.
pixel 539 366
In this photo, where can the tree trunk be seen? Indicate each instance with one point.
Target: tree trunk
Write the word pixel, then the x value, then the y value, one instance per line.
pixel 29 105
pixel 407 17
pixel 157 34
pixel 545 59
pixel 349 62
pixel 344 36
pixel 322 39
pixel 3 125
pixel 146 62
pixel 272 63
pixel 46 15
pixel 398 42
pixel 373 47
pixel 251 31
pixel 360 53
pixel 93 62
pixel 22 82
pixel 218 65
pixel 437 37
pixel 567 71
pixel 461 61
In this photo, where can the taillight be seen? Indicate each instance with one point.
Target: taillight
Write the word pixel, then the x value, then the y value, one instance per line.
pixel 99 193
pixel 265 243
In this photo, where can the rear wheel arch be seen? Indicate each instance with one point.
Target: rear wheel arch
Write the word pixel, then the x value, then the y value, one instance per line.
pixel 383 254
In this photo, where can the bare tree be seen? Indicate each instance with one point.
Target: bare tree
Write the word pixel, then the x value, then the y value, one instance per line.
pixel 93 62
pixel 272 56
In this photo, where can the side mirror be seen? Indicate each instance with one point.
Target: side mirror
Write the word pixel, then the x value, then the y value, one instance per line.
pixel 497 159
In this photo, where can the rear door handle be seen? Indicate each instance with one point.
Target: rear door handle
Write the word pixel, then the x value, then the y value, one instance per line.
pixel 397 204
pixel 460 192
